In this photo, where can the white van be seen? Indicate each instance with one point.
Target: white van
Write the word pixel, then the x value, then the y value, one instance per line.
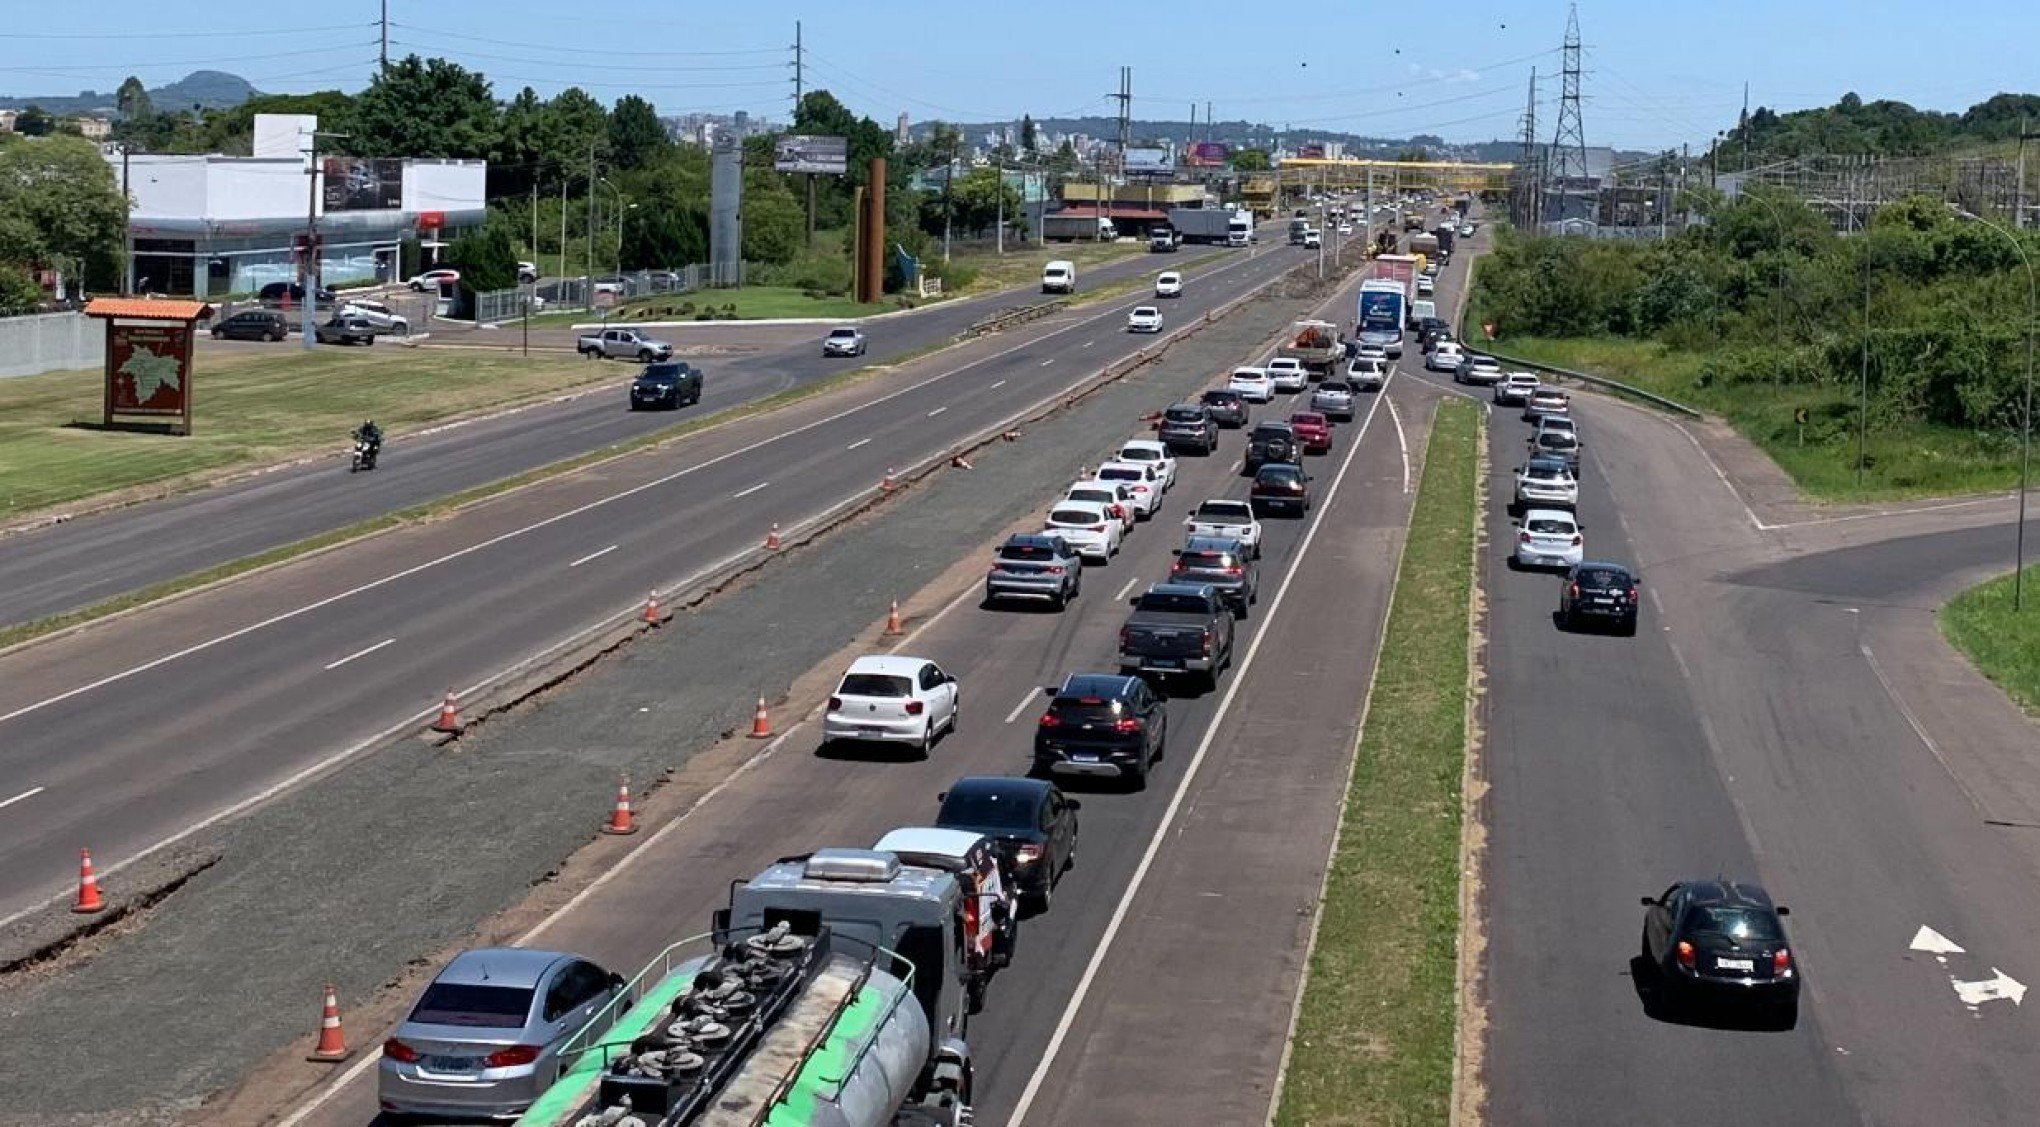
pixel 1059 276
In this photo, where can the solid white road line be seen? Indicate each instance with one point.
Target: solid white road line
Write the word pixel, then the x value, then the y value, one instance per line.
pixel 937 411
pixel 747 492
pixel 1401 444
pixel 361 653
pixel 1030 698
pixel 23 795
pixel 1218 718
pixel 1047 362
pixel 859 442
pixel 1126 590
pixel 593 556
pixel 1089 343
pixel 996 386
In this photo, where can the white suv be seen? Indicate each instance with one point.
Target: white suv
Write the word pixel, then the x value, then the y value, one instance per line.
pixel 381 316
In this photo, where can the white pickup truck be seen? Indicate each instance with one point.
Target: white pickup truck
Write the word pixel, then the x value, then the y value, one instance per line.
pixel 1232 519
pixel 623 344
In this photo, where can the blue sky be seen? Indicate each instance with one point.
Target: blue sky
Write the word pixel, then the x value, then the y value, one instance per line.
pixel 1652 78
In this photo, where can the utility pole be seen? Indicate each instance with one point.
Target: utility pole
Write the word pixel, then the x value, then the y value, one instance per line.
pixel 308 272
pixel 1743 126
pixel 127 268
pixel 2018 189
pixel 999 191
pixel 590 256
pixel 799 90
pixel 1529 186
pixel 385 55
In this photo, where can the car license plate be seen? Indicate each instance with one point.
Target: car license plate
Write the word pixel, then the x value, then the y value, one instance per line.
pixel 872 730
pixel 452 1064
pixel 1744 965
pixel 1083 757
pixel 1166 663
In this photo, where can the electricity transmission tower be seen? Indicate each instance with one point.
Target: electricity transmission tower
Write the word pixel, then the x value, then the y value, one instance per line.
pixel 1569 144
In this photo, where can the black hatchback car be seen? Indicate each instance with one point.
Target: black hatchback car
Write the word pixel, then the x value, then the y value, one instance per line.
pixel 252 324
pixel 1271 442
pixel 1722 938
pixel 670 383
pixel 1226 407
pixel 1101 724
pixel 1031 822
pixel 1221 562
pixel 1599 592
pixel 1280 487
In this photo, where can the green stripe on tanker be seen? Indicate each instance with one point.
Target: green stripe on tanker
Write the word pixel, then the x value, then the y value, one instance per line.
pixel 565 1099
pixel 823 1074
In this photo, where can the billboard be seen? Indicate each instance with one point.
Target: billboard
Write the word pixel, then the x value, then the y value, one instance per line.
pixel 148 368
pixel 797 153
pixel 1310 150
pixel 1149 164
pixel 1209 154
pixel 363 183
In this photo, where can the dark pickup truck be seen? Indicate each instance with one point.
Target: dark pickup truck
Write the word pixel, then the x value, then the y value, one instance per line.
pixel 1271 442
pixel 1187 426
pixel 1177 628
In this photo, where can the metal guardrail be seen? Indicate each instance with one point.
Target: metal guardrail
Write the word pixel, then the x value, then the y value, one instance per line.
pixel 998 322
pixel 1597 381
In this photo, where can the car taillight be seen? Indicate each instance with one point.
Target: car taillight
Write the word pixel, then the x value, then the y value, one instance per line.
pixel 1125 636
pixel 1054 569
pixel 1234 571
pixel 1140 489
pixel 401 1053
pixel 1575 590
pixel 1524 538
pixel 1119 511
pixel 1126 727
pixel 1207 643
pixel 835 704
pixel 511 1057
pixel 1095 527
pixel 1781 962
pixel 1576 539
pixel 1632 594
pixel 1048 720
pixel 915 707
pixel 1686 957
pixel 1029 854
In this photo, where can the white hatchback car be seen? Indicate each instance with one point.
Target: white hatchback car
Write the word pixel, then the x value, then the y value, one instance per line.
pixel 1252 384
pixel 889 699
pixel 1144 479
pixel 1087 527
pixel 1168 284
pixel 1152 453
pixel 1365 374
pixel 1517 387
pixel 1144 319
pixel 1287 374
pixel 1550 538
pixel 1114 495
pixel 1444 358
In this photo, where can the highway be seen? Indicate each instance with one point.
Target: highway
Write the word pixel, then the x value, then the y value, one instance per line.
pixel 62 567
pixel 1788 714
pixel 263 681
pixel 1274 737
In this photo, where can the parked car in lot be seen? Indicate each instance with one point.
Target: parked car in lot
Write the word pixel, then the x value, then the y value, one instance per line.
pixel 252 324
pixel 1549 538
pixel 1114 495
pixel 1150 452
pixel 885 698
pixel 434 280
pixel 1031 822
pixel 291 293
pixel 1227 519
pixel 1546 483
pixel 1287 374
pixel 1271 442
pixel 1280 487
pixel 1725 940
pixel 1546 401
pixel 1144 319
pixel 1088 527
pixel 1035 565
pixel 1143 478
pixel 1101 724
pixel 671 384
pixel 385 319
pixel 345 330
pixel 1252 385
pixel 1188 426
pixel 1594 591
pixel 1177 628
pixel 844 341
pixel 1333 399
pixel 1517 388
pixel 1224 563
pixel 1313 430
pixel 484 1038
pixel 1227 407
pixel 623 344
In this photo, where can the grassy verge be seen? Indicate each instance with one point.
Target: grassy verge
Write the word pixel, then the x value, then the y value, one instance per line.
pixel 1374 1037
pixel 1022 267
pixel 254 405
pixel 1902 460
pixel 2005 646
pixel 753 303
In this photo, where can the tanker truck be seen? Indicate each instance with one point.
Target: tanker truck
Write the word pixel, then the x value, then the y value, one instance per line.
pixel 830 993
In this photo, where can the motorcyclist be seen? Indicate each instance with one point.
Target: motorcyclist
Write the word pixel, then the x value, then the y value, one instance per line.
pixel 370 437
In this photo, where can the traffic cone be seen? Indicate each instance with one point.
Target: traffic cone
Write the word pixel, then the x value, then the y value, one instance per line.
pixel 652 608
pixel 1011 436
pixel 892 620
pixel 332 1044
pixel 761 722
pixel 958 463
pixel 89 899
pixel 449 714
pixel 886 485
pixel 772 538
pixel 620 820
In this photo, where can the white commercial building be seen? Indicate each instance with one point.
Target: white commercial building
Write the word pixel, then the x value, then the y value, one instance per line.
pixel 210 226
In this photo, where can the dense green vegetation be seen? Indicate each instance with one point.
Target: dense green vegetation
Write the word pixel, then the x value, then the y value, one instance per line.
pixel 1761 312
pixel 1882 128
pixel 2005 646
pixel 60 208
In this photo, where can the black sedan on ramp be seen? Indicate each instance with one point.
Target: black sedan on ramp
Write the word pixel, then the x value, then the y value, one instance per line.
pixel 1722 939
pixel 1031 822
pixel 1596 592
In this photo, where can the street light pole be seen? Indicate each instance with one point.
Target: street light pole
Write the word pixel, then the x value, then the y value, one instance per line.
pixel 2025 416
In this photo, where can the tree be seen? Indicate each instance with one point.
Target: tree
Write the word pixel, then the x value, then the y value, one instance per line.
pixel 18 291
pixel 775 224
pixel 1027 133
pixel 35 122
pixel 425 108
pixel 1251 160
pixel 486 257
pixel 69 199
pixel 133 101
pixel 572 128
pixel 977 199
pixel 515 163
pixel 636 135
pixel 1065 159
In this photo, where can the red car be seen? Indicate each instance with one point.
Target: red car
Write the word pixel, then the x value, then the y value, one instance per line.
pixel 1312 429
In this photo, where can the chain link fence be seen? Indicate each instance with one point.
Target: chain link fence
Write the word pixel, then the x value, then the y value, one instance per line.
pixel 610 290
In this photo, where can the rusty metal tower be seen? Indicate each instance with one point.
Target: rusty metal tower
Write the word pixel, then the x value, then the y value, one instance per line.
pixel 1569 144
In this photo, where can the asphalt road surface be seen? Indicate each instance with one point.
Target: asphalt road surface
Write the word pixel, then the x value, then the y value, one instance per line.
pixel 1786 714
pixel 62 567
pixel 257 682
pixel 799 796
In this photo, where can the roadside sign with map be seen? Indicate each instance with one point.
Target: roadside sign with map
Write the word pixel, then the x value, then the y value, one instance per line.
pixel 148 358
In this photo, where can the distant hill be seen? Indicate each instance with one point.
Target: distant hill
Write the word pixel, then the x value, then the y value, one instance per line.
pixel 211 89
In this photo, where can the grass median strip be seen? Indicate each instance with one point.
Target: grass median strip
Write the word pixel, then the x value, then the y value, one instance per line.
pixel 1374 1037
pixel 2003 643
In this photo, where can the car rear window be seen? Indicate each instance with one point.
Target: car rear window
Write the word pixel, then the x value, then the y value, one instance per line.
pixel 1549 526
pixel 1736 923
pixel 1174 415
pixel 1224 512
pixel 490 1007
pixel 1073 516
pixel 1221 398
pixel 1092 709
pixel 1121 474
pixel 1335 388
pixel 1279 474
pixel 1032 552
pixel 1603 577
pixel 1140 454
pixel 1097 496
pixel 875 685
pixel 1557 440
pixel 1205 561
pixel 999 811
pixel 1173 604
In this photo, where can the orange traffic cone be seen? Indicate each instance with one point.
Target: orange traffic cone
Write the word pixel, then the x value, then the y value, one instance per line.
pixel 886 485
pixel 332 1044
pixel 89 899
pixel 652 608
pixel 620 820
pixel 958 463
pixel 772 538
pixel 449 714
pixel 892 620
pixel 761 722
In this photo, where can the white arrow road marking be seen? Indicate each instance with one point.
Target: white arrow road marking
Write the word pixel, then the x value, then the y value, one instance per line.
pixel 1934 943
pixel 1999 985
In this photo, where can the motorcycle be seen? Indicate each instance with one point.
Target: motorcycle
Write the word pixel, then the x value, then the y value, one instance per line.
pixel 364 455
